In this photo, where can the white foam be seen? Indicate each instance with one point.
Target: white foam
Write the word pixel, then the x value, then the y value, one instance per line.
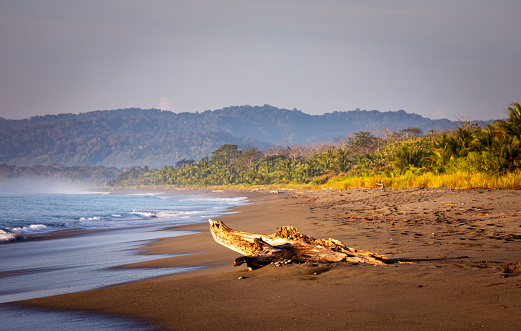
pixel 144 213
pixel 10 236
pixel 30 228
pixel 89 219
pixel 168 214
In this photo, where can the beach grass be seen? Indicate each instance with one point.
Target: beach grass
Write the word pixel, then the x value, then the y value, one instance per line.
pixel 455 180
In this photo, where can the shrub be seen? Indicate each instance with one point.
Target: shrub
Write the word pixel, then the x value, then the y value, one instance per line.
pixel 482 162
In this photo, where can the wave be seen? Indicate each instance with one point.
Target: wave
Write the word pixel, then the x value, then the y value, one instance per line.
pixel 50 212
pixel 148 214
pixel 95 218
pixel 29 228
pixel 10 236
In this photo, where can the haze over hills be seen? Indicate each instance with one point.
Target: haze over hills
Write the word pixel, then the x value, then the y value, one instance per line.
pixel 138 137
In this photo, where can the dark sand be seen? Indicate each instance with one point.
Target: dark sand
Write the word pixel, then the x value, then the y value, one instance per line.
pixel 456 257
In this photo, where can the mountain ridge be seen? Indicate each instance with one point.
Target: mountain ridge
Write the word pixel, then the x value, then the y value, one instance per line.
pixel 137 137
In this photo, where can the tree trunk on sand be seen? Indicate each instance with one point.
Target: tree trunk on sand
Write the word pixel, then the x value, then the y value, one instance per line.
pixel 288 243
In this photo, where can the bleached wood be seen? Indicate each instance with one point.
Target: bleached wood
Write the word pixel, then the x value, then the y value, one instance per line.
pixel 287 244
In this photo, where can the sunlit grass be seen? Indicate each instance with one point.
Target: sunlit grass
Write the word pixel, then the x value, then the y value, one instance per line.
pixel 456 180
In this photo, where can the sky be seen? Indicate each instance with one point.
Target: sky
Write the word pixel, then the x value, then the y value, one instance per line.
pixel 455 59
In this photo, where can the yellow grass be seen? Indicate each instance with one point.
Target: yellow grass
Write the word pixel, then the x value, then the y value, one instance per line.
pixel 458 180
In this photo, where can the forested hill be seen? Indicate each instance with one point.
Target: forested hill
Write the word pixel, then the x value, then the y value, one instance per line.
pixel 138 137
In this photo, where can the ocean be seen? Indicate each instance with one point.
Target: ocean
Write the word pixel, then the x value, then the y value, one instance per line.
pixel 57 243
pixel 26 214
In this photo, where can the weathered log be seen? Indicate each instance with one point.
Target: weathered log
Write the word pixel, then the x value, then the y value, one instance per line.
pixel 287 244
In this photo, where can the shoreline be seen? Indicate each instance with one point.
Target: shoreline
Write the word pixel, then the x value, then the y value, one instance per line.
pixel 78 259
pixel 460 248
pixel 71 232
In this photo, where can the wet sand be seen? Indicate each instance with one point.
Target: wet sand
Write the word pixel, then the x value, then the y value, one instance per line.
pixel 456 265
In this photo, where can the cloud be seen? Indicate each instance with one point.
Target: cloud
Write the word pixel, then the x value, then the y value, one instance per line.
pixel 440 113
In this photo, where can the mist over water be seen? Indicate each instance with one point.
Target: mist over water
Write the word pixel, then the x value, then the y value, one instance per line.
pixel 43 185
pixel 26 207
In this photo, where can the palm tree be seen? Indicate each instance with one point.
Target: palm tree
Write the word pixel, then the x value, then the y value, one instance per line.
pixel 512 126
pixel 445 148
pixel 463 139
pixel 486 139
pixel 341 162
pixel 406 156
pixel 510 150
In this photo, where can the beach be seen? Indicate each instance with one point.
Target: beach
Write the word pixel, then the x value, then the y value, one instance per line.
pixel 454 263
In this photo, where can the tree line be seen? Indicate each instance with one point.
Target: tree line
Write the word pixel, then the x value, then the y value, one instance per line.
pixel 494 149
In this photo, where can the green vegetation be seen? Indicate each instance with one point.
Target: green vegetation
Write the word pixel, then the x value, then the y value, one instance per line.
pixel 119 138
pixel 467 157
pixel 137 137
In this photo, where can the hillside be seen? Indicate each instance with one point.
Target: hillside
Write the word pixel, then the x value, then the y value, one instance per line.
pixel 138 137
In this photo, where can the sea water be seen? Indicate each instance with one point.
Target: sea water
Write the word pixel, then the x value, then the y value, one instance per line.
pixel 24 214
pixel 90 234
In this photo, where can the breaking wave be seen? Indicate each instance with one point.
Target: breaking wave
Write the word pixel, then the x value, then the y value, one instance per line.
pixel 10 236
pixel 30 214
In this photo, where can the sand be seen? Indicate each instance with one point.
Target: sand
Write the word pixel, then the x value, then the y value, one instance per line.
pixel 455 257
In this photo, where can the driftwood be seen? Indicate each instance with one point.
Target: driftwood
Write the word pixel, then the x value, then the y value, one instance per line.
pixel 287 244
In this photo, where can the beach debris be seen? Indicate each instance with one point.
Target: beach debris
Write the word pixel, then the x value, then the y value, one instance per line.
pixel 507 237
pixel 288 244
pixel 281 263
pixel 512 270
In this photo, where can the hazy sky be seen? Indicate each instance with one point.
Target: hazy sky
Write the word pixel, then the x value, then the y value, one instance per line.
pixel 433 58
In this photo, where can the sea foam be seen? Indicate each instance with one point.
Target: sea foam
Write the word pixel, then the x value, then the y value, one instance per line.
pixel 144 213
pixel 95 218
pixel 10 236
pixel 30 228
